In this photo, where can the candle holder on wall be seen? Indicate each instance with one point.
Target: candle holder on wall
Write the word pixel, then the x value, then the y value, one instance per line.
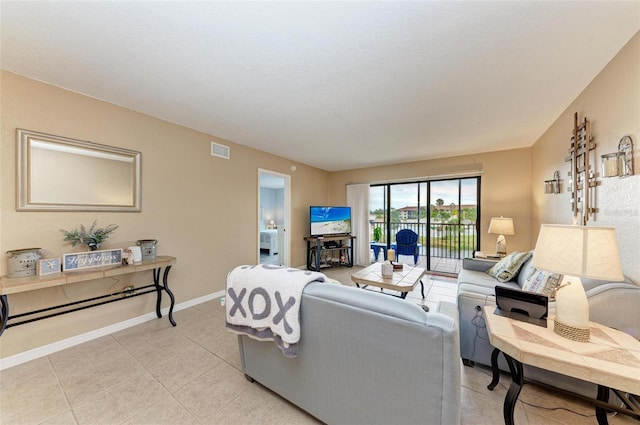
pixel 553 186
pixel 619 164
pixel 582 179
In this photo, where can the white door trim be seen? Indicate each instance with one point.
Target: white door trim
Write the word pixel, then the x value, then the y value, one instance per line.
pixel 286 259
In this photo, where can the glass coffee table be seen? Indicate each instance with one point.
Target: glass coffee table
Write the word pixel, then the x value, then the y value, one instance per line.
pixel 403 281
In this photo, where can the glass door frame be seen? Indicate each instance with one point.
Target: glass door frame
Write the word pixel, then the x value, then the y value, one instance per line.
pixel 428 222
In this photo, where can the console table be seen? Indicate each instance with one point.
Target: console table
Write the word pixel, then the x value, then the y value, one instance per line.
pixel 611 359
pixel 17 285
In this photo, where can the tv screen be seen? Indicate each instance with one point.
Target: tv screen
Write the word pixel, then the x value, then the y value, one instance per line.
pixel 327 221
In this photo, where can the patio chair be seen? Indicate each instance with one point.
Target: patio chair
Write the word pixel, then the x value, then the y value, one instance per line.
pixel 407 244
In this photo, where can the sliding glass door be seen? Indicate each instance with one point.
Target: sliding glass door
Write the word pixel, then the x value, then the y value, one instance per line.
pixel 444 214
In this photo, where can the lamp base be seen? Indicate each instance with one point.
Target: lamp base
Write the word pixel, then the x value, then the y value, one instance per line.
pixel 501 246
pixel 571 332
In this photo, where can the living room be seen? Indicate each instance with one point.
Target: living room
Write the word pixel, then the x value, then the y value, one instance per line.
pixel 185 191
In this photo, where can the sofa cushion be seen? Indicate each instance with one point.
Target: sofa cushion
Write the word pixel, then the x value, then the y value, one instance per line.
pixel 507 268
pixel 540 281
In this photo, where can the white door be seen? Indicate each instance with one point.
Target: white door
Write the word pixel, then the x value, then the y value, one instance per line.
pixel 274 200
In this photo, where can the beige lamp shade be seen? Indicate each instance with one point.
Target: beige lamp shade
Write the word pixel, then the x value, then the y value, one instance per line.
pixel 576 252
pixel 581 251
pixel 501 226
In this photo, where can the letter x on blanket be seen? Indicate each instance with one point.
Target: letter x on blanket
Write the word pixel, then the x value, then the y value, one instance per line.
pixel 263 301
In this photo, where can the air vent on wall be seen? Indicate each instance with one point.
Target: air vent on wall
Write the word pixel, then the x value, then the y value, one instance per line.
pixel 219 150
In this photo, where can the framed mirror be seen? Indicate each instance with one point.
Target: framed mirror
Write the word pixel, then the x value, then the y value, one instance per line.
pixel 60 174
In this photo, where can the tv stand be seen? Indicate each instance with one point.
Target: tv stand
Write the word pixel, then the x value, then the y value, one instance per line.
pixel 329 251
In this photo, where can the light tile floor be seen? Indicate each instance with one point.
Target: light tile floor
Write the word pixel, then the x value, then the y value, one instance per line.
pixel 157 374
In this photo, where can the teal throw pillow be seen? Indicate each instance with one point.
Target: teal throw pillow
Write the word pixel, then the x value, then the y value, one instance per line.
pixel 508 268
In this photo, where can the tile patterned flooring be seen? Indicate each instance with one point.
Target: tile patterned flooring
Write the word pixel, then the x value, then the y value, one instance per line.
pixel 156 374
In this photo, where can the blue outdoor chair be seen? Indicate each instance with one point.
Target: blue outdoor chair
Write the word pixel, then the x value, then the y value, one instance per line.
pixel 407 244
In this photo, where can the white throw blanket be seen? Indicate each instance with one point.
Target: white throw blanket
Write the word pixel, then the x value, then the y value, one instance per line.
pixel 263 301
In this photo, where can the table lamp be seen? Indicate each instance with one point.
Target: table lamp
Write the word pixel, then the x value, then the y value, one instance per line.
pixel 576 252
pixel 501 226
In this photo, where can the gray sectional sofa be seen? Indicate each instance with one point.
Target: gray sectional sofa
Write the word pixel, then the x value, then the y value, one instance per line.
pixel 365 358
pixel 615 304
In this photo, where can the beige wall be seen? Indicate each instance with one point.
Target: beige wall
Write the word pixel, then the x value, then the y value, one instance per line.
pixel 201 209
pixel 505 188
pixel 612 103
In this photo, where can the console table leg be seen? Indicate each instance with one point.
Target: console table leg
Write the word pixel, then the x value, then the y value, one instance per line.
pixel 601 412
pixel 494 370
pixel 4 312
pixel 517 376
pixel 159 288
pixel 156 281
pixel 166 288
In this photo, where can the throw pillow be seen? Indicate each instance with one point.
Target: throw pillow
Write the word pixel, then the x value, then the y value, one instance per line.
pixel 541 282
pixel 508 268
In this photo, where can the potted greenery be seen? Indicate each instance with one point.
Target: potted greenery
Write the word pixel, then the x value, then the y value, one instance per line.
pixel 377 234
pixel 92 237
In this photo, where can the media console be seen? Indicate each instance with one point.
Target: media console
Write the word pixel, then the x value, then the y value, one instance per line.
pixel 329 251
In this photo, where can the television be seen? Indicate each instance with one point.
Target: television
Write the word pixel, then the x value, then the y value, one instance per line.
pixel 327 220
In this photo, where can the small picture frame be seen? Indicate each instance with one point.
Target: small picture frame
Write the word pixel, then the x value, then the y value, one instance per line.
pixel 48 266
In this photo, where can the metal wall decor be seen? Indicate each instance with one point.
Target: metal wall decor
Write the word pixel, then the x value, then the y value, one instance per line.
pixel 619 164
pixel 582 179
pixel 553 186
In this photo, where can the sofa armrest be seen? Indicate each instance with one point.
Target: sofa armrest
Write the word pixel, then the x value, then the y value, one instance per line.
pixel 448 309
pixel 477 264
pixel 615 304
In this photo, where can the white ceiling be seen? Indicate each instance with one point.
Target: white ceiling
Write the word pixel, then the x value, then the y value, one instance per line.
pixel 336 85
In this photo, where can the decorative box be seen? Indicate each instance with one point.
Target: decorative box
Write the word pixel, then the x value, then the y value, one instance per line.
pixel 48 266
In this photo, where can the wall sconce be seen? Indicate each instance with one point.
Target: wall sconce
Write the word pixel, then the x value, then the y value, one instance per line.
pixel 553 186
pixel 619 164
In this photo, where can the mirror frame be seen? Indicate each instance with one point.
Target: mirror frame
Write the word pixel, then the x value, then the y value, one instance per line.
pixel 24 182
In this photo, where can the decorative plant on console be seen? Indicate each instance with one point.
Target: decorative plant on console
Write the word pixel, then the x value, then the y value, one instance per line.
pixel 92 237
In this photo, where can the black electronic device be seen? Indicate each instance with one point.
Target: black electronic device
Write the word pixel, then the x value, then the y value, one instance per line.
pixel 525 306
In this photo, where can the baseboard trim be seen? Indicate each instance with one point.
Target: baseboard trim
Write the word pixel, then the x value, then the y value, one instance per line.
pixel 45 350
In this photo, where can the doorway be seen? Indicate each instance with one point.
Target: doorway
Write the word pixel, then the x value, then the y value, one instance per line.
pixel 273 216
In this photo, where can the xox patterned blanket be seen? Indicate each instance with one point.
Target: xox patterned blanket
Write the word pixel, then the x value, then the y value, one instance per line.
pixel 263 301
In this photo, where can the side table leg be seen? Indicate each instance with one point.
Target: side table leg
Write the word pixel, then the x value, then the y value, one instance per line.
pixel 494 370
pixel 601 412
pixel 4 312
pixel 517 376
